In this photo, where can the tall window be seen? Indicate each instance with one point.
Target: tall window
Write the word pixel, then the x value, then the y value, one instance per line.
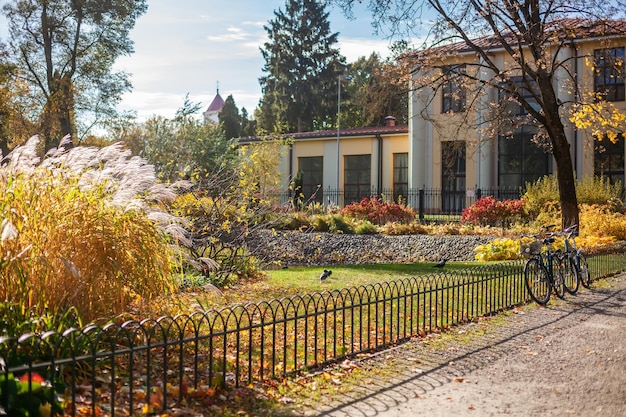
pixel 608 78
pixel 609 159
pixel 453 175
pixel 400 175
pixel 520 160
pixel 453 89
pixel 357 177
pixel 312 168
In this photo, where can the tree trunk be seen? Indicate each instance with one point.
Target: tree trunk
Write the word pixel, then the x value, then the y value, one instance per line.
pixel 562 155
pixel 58 115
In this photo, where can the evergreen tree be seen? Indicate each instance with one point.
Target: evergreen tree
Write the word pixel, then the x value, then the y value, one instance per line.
pixel 302 68
pixel 248 126
pixel 229 119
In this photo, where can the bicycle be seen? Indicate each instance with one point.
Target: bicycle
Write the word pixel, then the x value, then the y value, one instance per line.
pixel 571 276
pixel 540 277
pixel 578 258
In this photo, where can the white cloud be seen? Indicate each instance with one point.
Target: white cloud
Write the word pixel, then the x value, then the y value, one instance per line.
pixel 354 48
pixel 233 34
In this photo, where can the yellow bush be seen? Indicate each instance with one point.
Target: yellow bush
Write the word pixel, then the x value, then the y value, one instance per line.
pixel 498 250
pixel 63 243
pixel 601 222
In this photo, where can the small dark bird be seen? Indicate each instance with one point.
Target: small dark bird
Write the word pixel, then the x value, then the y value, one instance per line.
pixel 441 264
pixel 325 274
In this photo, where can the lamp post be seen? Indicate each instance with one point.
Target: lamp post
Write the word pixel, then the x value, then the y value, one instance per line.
pixel 340 78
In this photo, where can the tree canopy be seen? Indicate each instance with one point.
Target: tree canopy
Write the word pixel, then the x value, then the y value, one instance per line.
pixel 379 88
pixel 531 33
pixel 64 52
pixel 302 66
pixel 184 147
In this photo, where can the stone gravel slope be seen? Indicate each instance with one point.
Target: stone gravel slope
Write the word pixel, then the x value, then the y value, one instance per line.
pixel 297 248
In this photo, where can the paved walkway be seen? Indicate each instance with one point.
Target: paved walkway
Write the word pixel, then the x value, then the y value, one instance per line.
pixel 566 359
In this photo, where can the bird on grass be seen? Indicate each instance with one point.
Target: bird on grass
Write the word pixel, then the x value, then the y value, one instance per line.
pixel 325 274
pixel 441 264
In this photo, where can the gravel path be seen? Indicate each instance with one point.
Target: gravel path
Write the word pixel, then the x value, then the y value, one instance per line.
pixel 568 359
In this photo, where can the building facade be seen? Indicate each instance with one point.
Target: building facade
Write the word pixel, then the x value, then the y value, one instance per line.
pixel 456 143
pixel 340 167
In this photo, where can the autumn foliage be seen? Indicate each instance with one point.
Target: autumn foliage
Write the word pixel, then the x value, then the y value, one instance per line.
pixel 488 211
pixel 378 211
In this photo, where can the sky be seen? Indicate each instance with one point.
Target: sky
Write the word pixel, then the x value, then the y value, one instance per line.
pixel 189 46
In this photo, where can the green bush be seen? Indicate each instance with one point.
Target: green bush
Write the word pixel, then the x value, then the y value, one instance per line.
pixel 366 228
pixel 338 224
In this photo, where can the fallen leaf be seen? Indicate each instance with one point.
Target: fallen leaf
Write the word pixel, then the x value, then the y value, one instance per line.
pixel 459 379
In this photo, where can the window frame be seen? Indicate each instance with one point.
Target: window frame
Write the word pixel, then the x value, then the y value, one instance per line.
pixel 310 186
pixel 608 76
pixel 453 92
pixel 400 175
pixel 357 167
pixel 612 157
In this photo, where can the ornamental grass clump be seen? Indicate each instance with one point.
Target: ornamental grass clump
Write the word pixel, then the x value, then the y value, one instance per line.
pixel 79 231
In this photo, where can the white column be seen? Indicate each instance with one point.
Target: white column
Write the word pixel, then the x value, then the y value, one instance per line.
pixel 420 135
pixel 485 155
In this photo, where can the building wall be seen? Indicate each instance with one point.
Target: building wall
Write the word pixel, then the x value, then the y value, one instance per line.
pixel 429 126
pixel 381 156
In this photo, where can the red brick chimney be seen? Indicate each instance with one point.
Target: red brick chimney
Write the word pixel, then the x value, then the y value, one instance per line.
pixel 390 121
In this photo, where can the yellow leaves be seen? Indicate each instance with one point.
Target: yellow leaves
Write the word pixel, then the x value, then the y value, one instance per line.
pixel 599 117
pixel 498 250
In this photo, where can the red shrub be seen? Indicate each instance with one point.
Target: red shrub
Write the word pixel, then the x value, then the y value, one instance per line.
pixel 488 211
pixel 378 211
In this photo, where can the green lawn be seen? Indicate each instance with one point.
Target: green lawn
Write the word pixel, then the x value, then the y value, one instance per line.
pixel 276 284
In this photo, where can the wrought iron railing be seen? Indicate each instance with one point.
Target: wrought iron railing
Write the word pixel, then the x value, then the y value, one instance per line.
pixel 431 204
pixel 121 368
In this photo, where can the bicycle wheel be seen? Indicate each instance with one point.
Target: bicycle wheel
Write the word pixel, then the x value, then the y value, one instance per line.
pixel 537 281
pixel 583 270
pixel 558 277
pixel 571 280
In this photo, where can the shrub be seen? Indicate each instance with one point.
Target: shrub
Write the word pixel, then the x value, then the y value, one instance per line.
pixel 378 211
pixel 366 228
pixel 75 234
pixel 538 194
pixel 337 224
pixel 600 221
pixel 498 250
pixel 217 247
pixel 413 228
pixel 543 194
pixel 488 211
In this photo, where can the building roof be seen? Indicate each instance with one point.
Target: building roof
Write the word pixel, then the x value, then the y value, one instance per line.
pixel 344 133
pixel 217 103
pixel 570 29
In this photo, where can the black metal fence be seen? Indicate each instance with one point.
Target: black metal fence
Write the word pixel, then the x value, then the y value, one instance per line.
pixel 431 204
pixel 133 367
